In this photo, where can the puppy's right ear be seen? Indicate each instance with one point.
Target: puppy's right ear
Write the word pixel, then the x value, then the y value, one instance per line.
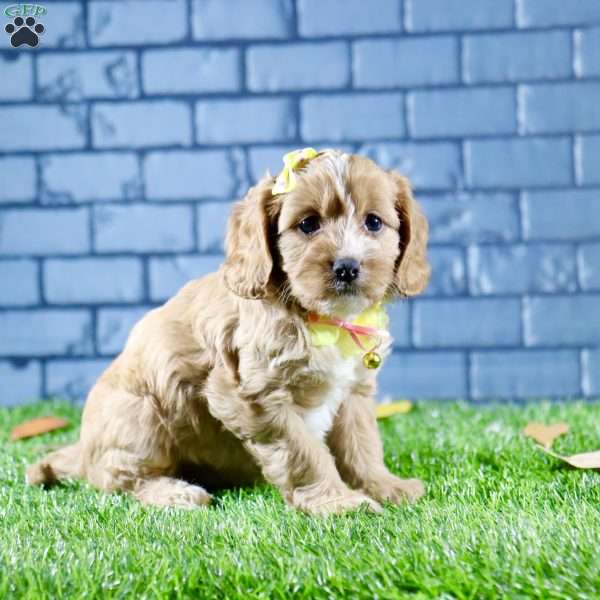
pixel 248 258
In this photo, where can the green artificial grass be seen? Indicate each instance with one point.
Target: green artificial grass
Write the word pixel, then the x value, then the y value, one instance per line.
pixel 500 519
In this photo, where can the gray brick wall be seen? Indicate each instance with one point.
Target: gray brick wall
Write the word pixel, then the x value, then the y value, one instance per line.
pixel 126 135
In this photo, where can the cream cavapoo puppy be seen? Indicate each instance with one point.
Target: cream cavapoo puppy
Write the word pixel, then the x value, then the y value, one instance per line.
pixel 266 369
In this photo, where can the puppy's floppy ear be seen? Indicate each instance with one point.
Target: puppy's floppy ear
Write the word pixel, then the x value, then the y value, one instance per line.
pixel 248 257
pixel 412 268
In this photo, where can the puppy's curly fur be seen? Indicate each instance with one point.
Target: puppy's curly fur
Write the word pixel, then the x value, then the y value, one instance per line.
pixel 224 375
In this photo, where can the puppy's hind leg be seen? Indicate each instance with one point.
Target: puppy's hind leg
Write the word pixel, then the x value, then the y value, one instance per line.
pixel 148 476
pixel 64 463
pixel 168 491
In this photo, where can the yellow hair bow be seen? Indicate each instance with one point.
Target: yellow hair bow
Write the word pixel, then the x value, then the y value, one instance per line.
pixel 293 162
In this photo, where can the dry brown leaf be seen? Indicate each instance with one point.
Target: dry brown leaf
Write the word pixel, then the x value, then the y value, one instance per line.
pixel 545 434
pixel 393 408
pixel 584 460
pixel 37 427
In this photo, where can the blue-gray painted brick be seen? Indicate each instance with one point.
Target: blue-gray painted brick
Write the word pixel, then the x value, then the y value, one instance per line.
pixel 560 107
pixel 424 375
pixel 338 118
pixel 168 275
pixel 136 22
pixel 247 120
pixel 140 124
pixel 143 228
pixel 519 269
pixel 589 266
pixel 190 71
pixel 525 374
pixel 517 56
pixel 298 66
pixel 327 17
pixel 428 165
pixel 242 19
pixel 190 175
pixel 467 218
pixel 266 158
pixel 114 325
pixel 489 218
pixel 587 52
pixel 544 13
pixel 518 162
pixel 561 320
pixel 72 76
pixel 562 215
pixel 16 73
pixel 40 232
pixel 212 223
pixel 48 127
pixel 72 379
pixel 405 62
pixel 20 382
pixel 589 156
pixel 591 372
pixel 19 285
pixel 18 178
pixel 440 15
pixel 90 177
pixel 466 322
pixel 448 276
pixel 399 314
pixel 93 280
pixel 462 112
pixel 64 25
pixel 45 332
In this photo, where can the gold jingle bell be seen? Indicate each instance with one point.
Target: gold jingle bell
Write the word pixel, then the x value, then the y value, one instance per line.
pixel 372 360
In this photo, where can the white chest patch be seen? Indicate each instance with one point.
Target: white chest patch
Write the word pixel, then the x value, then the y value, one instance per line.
pixel 341 375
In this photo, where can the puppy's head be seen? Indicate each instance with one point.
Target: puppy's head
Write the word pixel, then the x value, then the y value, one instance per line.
pixel 347 236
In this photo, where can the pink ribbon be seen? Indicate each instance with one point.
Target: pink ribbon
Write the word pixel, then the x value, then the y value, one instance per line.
pixel 353 329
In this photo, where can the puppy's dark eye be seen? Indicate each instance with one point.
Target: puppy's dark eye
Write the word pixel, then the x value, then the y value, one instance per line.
pixel 309 225
pixel 373 222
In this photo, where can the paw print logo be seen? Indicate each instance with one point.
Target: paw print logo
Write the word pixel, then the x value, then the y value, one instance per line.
pixel 24 32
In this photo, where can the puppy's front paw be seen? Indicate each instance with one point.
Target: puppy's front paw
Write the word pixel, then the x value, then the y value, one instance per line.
pixel 389 488
pixel 332 501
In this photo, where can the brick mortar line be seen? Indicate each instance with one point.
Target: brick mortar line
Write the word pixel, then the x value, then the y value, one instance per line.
pixel 301 92
pixel 400 34
pixel 473 138
pixel 563 135
pixel 583 372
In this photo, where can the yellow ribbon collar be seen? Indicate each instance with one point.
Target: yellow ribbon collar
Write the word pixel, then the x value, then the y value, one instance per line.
pixel 293 162
pixel 362 335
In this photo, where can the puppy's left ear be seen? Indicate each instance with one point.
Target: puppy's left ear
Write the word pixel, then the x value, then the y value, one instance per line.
pixel 412 268
pixel 248 257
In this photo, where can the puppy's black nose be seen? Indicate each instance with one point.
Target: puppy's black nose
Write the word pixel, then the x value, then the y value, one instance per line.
pixel 346 269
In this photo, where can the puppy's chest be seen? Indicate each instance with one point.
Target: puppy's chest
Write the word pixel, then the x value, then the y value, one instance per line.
pixel 325 384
